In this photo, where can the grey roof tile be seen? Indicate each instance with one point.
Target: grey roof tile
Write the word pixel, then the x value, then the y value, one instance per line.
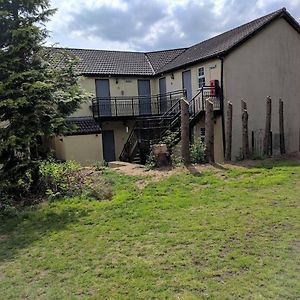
pixel 83 125
pixel 159 59
pixel 104 62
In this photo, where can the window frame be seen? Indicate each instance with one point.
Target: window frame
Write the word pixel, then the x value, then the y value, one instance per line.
pixel 201 77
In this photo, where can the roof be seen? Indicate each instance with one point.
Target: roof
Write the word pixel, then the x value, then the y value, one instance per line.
pixel 93 62
pixel 225 42
pixel 83 125
pixel 104 62
pixel 159 59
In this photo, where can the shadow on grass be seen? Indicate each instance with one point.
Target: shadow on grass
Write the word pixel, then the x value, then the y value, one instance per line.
pixel 193 170
pixel 31 225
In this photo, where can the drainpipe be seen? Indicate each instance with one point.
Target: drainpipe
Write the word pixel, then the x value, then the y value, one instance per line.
pixel 222 103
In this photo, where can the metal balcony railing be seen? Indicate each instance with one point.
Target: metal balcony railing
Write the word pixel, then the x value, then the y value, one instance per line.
pixel 127 106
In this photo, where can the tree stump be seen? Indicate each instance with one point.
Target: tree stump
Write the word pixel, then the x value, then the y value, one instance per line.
pixel 209 131
pixel 267 137
pixel 161 154
pixel 185 131
pixel 228 145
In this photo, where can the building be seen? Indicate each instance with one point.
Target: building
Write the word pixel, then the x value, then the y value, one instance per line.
pixel 137 94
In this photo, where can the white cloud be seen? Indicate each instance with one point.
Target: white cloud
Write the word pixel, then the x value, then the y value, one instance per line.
pixel 152 24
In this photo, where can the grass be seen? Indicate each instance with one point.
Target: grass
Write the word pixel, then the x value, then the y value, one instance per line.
pixel 223 234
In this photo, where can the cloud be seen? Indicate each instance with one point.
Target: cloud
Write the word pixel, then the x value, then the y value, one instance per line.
pixel 153 24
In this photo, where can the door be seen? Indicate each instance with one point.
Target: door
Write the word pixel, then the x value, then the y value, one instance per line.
pixel 163 97
pixel 145 97
pixel 108 144
pixel 187 83
pixel 103 93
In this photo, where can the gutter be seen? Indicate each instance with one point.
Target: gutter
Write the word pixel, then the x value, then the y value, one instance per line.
pixel 221 58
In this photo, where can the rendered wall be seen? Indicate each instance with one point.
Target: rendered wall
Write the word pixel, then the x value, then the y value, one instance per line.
pixel 119 86
pixel 266 65
pixel 85 149
pixel 120 133
pixel 212 71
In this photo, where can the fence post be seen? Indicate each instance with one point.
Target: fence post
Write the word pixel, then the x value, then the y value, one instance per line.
pixel 281 128
pixel 243 105
pixel 245 137
pixel 267 139
pixel 185 131
pixel 228 132
pixel 209 131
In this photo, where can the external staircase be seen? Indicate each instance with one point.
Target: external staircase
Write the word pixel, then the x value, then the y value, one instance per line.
pixel 151 130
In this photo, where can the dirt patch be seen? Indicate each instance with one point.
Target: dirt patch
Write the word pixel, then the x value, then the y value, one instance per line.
pixel 140 170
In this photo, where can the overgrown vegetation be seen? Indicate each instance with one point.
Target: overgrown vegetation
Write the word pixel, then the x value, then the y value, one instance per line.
pixel 229 233
pixel 35 97
pixel 197 151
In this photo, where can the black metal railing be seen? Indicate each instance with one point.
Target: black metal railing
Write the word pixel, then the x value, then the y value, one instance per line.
pixel 135 106
pixel 147 131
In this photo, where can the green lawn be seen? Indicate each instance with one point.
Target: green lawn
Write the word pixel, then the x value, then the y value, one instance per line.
pixel 221 234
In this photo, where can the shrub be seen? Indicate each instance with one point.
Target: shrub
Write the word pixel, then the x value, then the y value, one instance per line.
pixel 197 151
pixel 151 162
pixel 60 179
pixel 171 139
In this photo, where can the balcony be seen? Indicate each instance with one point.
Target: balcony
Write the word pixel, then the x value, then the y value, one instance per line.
pixel 128 107
pixel 131 107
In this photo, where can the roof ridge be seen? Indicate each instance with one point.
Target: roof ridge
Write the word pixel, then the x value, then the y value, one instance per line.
pixel 173 49
pixel 149 62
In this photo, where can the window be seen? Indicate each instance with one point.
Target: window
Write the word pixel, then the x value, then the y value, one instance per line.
pixel 201 77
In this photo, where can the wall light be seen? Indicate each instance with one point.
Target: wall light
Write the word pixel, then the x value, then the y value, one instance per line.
pixel 117 80
pixel 172 76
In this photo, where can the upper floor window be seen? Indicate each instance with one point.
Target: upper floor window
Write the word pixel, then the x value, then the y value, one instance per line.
pixel 201 77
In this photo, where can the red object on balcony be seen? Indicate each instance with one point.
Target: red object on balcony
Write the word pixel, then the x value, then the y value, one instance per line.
pixel 214 84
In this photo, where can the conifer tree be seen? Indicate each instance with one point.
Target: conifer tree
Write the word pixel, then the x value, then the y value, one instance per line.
pixel 35 96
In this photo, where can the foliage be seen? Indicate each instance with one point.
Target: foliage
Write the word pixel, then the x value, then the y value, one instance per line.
pixel 35 96
pixel 68 179
pixel 151 162
pixel 171 139
pixel 197 151
pixel 176 160
pixel 60 179
pixel 231 233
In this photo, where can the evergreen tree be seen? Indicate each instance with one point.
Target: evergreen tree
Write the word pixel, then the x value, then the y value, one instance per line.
pixel 35 96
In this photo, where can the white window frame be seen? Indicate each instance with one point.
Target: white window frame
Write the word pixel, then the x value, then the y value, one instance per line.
pixel 201 77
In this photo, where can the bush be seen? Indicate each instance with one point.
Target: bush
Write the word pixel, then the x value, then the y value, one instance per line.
pixel 6 207
pixel 151 161
pixel 60 179
pixel 197 151
pixel 171 139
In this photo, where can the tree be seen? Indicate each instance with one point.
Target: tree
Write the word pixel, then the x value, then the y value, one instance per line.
pixel 35 96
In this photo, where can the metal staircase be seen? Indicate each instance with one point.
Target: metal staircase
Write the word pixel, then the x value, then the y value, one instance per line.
pixel 150 130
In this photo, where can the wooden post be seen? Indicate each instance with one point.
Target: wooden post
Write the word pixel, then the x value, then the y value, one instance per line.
pixel 267 137
pixel 228 132
pixel 245 135
pixel 281 128
pixel 209 131
pixel 243 105
pixel 185 131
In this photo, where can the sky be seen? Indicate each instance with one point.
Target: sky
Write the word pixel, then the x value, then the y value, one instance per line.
pixel 149 25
